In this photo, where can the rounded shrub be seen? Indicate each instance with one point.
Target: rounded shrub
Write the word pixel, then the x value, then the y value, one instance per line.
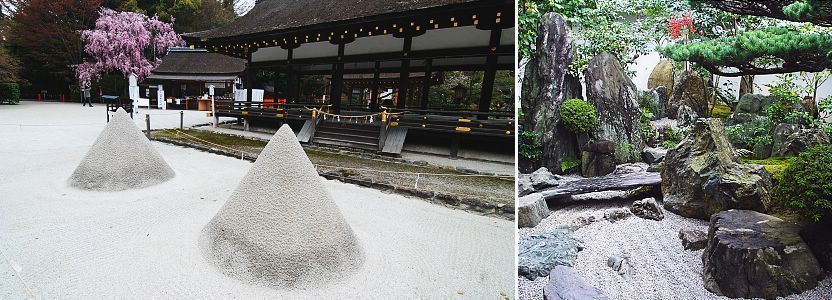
pixel 578 115
pixel 805 186
pixel 9 93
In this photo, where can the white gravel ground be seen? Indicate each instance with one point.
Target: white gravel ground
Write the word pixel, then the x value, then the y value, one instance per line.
pixel 143 244
pixel 663 269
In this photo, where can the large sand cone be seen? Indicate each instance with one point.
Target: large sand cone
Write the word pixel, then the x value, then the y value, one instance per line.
pixel 280 227
pixel 121 158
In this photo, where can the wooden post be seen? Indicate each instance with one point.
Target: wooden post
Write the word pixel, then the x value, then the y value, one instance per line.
pixel 404 75
pixel 426 85
pixel 454 145
pixel 374 91
pixel 382 134
pixel 147 121
pixel 337 80
pixel 490 74
pixel 181 119
pixel 290 78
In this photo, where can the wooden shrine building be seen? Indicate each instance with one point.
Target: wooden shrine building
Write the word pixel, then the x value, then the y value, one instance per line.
pixel 185 75
pixel 362 42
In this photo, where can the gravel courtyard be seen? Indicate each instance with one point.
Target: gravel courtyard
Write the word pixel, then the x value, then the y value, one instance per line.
pixel 61 242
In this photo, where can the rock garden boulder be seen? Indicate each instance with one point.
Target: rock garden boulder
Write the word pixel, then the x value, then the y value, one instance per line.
pixel 662 75
pixel 622 266
pixel 778 137
pixel 737 118
pixel 754 255
pixel 801 140
pixel 524 185
pixel 542 179
pixel 531 209
pixel 566 284
pixel 685 116
pixel 654 101
pixel 615 99
pixel 546 85
pixel 630 168
pixel 689 90
pixel 539 254
pixel 598 159
pixel 693 239
pixel 647 208
pixel 616 214
pixel 706 177
pixel 754 103
pixel 653 155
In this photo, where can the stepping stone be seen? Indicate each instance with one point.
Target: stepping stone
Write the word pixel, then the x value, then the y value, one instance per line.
pixel 531 209
pixel 566 284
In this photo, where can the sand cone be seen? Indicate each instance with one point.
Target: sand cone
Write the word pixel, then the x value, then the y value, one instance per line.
pixel 280 226
pixel 121 158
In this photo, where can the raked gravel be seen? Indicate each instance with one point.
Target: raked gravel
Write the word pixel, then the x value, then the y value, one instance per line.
pixel 121 158
pixel 68 243
pixel 280 227
pixel 663 268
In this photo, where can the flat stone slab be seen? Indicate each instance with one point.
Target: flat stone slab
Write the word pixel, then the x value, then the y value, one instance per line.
pixel 614 182
pixel 566 284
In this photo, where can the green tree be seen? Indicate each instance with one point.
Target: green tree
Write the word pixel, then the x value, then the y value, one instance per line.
pixel 790 47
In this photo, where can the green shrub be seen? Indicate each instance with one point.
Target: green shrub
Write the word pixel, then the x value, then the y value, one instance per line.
pixel 805 186
pixel 9 93
pixel 626 152
pixel 530 145
pixel 774 165
pixel 569 164
pixel 748 135
pixel 578 115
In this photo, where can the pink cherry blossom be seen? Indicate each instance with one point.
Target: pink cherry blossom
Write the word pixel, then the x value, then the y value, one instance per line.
pixel 126 42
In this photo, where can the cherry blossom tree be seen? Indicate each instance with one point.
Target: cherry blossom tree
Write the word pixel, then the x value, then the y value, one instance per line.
pixel 124 42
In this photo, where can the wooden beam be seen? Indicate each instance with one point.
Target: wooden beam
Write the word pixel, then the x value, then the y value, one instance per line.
pixel 490 74
pixel 404 74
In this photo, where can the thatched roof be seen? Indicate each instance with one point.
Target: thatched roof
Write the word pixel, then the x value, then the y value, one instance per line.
pixel 278 15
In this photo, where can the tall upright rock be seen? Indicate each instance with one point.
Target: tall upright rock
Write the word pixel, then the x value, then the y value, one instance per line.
pixel 121 158
pixel 614 96
pixel 280 226
pixel 702 176
pixel 546 85
pixel 689 90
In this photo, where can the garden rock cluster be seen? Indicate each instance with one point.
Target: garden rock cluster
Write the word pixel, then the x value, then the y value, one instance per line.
pixel 598 159
pixel 754 255
pixel 280 227
pixel 539 254
pixel 707 178
pixel 121 158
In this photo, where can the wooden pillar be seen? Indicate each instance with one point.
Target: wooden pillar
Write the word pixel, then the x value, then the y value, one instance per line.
pixel 249 76
pixel 374 92
pixel 290 78
pixel 490 73
pixel 426 84
pixel 404 75
pixel 337 80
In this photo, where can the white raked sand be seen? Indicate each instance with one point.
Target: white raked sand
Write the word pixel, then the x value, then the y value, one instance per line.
pixel 121 158
pixel 663 268
pixel 74 244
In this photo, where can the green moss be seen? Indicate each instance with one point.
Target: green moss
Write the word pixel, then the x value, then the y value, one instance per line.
pixel 720 111
pixel 774 165
pixel 221 139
